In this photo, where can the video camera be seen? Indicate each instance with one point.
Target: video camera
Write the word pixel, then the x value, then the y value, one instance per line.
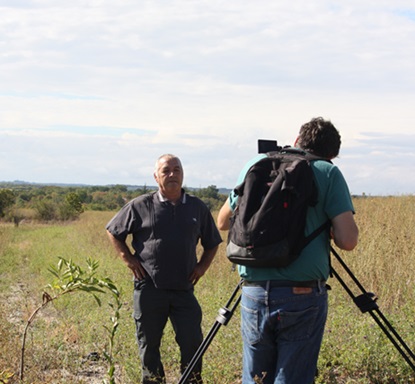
pixel 265 146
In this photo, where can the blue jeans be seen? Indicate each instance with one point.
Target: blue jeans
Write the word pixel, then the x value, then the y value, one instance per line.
pixel 282 329
pixel 152 309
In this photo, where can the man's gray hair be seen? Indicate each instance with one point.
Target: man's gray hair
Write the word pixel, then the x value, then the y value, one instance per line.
pixel 167 156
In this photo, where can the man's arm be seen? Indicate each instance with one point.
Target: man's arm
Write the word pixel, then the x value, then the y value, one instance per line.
pixel 125 253
pixel 203 264
pixel 224 215
pixel 344 231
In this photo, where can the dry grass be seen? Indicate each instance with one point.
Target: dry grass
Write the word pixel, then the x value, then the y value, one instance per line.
pixel 385 256
pixel 354 348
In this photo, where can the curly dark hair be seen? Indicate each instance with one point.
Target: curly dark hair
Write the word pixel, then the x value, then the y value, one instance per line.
pixel 319 137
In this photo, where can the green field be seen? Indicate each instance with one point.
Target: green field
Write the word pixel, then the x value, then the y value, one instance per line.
pixel 65 333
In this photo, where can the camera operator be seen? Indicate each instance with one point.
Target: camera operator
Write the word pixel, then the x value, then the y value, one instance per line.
pixel 284 310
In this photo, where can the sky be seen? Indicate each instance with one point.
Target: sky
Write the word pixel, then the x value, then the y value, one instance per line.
pixel 94 91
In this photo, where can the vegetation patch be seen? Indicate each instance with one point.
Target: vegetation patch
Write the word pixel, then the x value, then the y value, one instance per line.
pixel 66 342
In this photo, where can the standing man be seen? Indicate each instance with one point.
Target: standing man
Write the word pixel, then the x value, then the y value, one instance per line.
pixel 166 226
pixel 284 310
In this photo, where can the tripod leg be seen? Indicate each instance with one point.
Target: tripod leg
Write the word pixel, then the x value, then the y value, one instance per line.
pixel 393 341
pixel 223 318
pixel 199 353
pixel 368 305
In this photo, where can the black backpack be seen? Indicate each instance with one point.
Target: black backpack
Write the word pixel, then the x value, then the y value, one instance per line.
pixel 267 228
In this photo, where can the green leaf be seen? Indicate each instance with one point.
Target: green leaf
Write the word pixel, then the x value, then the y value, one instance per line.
pixel 88 288
pixel 97 300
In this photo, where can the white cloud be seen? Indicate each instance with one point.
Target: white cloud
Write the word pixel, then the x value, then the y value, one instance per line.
pixel 203 79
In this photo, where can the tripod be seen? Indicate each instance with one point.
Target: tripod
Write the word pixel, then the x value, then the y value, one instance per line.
pixel 224 315
pixel 366 302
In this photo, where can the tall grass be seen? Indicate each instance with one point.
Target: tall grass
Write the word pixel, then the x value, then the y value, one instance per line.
pixel 355 350
pixel 64 336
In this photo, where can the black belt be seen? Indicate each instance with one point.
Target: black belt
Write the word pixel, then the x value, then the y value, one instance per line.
pixel 285 283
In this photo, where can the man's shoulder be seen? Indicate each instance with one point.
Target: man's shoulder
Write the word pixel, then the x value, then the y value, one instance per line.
pixel 142 198
pixel 194 199
pixel 324 166
pixel 195 202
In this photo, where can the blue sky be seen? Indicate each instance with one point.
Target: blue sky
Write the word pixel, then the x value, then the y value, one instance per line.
pixel 94 91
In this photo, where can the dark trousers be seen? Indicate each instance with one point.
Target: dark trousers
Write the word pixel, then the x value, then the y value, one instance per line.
pixel 152 308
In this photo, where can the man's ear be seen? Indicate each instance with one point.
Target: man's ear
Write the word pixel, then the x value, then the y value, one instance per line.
pixel 155 177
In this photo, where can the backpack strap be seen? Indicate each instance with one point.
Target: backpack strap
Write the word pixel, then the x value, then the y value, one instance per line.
pixel 298 151
pixel 316 232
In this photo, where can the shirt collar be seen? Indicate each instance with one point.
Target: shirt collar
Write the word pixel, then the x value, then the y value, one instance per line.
pixel 163 199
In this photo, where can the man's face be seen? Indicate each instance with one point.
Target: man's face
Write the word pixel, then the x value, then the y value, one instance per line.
pixel 169 175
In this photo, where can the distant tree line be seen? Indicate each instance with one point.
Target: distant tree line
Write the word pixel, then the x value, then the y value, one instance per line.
pixel 46 203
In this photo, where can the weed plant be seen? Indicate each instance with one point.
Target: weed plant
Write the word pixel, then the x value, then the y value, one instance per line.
pixel 66 341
